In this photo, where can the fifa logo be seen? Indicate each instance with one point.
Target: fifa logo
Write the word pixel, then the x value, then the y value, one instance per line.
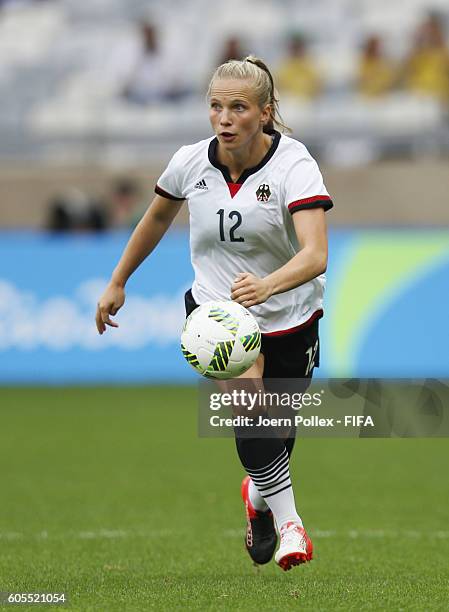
pixel 263 193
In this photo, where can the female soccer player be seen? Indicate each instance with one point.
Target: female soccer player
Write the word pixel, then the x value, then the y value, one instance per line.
pixel 258 235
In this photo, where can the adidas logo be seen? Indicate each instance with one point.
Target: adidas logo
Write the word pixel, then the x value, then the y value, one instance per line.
pixel 201 185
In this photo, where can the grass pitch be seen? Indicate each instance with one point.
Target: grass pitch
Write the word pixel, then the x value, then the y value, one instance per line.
pixel 109 496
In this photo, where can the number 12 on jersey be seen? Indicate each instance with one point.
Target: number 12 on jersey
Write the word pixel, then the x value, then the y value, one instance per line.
pixel 233 215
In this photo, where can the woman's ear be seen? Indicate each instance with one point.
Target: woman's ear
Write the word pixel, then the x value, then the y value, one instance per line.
pixel 266 114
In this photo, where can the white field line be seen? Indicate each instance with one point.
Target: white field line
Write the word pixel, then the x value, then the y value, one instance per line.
pixel 92 534
pixel 123 534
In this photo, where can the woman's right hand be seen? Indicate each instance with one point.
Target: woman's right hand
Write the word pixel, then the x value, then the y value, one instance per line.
pixel 109 304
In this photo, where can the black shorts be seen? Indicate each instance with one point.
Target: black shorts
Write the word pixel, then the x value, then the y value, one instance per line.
pixel 291 355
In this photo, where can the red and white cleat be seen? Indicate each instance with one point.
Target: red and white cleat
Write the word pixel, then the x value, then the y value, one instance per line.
pixel 295 547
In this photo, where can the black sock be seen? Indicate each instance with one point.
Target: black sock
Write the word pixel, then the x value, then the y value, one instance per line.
pixel 256 453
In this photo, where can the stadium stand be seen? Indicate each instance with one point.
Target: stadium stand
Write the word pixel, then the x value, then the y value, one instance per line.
pixel 63 66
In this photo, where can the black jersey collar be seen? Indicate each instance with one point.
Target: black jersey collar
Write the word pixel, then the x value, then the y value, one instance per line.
pixel 248 171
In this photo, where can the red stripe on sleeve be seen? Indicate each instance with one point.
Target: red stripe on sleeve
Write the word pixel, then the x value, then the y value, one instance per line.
pixel 167 195
pixel 319 198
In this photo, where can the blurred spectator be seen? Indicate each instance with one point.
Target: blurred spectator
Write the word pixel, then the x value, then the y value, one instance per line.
pixel 151 79
pixel 376 73
pixel 73 211
pixel 427 67
pixel 297 75
pixel 232 50
pixel 125 203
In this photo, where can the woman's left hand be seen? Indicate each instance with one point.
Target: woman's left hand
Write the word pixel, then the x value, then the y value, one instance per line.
pixel 249 290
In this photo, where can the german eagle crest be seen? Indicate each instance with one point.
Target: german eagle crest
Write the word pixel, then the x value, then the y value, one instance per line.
pixel 263 193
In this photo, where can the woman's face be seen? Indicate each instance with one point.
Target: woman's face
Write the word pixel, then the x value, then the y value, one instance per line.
pixel 234 113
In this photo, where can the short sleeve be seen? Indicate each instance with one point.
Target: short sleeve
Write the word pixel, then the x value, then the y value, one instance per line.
pixel 304 187
pixel 170 183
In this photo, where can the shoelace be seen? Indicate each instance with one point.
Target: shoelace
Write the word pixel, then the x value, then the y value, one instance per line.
pixel 291 534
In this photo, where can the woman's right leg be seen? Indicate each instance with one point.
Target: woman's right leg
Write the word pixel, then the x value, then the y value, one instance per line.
pixel 268 491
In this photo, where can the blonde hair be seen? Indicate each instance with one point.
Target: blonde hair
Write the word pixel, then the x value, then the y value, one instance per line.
pixel 255 70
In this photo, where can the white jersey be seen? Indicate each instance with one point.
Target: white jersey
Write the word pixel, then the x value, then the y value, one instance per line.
pixel 246 225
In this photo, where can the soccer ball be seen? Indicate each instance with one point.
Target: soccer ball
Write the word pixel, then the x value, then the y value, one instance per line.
pixel 220 339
